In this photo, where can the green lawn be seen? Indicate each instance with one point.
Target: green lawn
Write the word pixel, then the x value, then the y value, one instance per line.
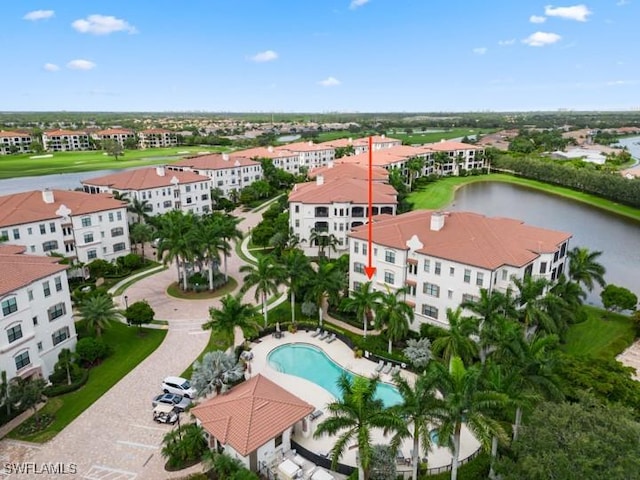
pixel 23 165
pixel 129 350
pixel 441 193
pixel 603 335
pixel 433 137
pixel 175 291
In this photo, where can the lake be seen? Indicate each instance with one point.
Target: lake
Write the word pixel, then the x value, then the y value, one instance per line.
pixel 618 238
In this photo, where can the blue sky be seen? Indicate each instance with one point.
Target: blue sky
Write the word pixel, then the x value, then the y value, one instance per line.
pixel 319 55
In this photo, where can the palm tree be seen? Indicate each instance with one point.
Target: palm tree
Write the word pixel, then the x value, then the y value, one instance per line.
pixel 417 409
pixel 98 312
pixel 584 268
pixel 215 372
pixel 455 341
pixel 355 416
pixel 414 167
pixel 531 307
pixel 141 233
pixel 363 301
pixel 327 283
pixel 175 243
pixel 465 400
pixel 266 276
pixel 393 315
pixel 140 209
pixel 298 270
pixel 206 234
pixel 324 240
pixel 230 231
pixel 232 314
pixel 66 358
pixel 439 159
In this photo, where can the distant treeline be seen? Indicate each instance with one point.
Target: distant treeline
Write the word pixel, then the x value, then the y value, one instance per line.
pixel 611 186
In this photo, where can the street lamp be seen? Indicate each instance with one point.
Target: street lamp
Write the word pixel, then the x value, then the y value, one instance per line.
pixel 126 307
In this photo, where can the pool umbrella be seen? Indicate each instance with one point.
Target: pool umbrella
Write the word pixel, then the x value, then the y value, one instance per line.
pixel 277 326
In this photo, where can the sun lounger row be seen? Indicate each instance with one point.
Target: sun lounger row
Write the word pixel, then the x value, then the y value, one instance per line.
pixel 389 368
pixel 324 335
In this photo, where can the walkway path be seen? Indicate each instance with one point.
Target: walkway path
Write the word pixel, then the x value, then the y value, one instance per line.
pixel 631 358
pixel 116 437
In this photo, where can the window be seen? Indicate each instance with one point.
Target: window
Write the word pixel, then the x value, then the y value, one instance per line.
pixel 187 188
pixel 56 311
pixel 413 268
pixel 16 234
pixel 58 282
pixel 9 306
pixel 297 208
pixel 119 215
pixel 35 320
pixel 29 230
pixel 364 248
pixel 504 274
pixel 92 254
pixel 452 271
pixel 278 441
pixel 438 268
pixel 204 197
pixel 411 290
pixel 52 227
pixel 358 267
pixel 111 217
pixel 117 232
pixel 389 278
pixel 543 267
pixel 431 289
pixel 39 346
pixel 86 221
pixel 449 294
pixel 50 245
pixel 427 265
pixel 467 275
pixel 30 294
pixel 188 200
pixel 118 247
pixel 297 223
pixel 22 360
pixel 389 256
pixel 430 311
pixel 479 279
pixel 166 204
pixel 43 229
pixel 469 298
pixel 60 335
pixel 555 256
pixel 88 237
pixel 356 247
pixel 563 250
pixel 356 285
pixel 14 333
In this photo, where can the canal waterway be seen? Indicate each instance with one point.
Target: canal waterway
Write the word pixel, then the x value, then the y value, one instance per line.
pixel 617 237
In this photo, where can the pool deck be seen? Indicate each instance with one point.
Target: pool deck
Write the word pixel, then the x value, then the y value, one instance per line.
pixel 319 397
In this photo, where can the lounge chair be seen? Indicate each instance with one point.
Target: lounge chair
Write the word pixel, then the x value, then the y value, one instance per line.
pixel 380 366
pixel 316 414
pixel 317 332
pixel 331 338
pixel 324 335
pixel 387 368
pixel 394 370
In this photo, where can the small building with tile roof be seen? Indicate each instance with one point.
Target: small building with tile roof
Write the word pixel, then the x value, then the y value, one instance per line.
pixel 253 421
pixel 35 313
pixel 11 141
pixel 157 138
pixel 65 140
pixel 120 135
pixel 446 258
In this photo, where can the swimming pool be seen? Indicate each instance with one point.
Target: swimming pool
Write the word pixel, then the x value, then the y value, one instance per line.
pixel 311 363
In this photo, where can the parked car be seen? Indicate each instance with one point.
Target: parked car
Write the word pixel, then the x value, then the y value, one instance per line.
pixel 178 385
pixel 164 413
pixel 173 399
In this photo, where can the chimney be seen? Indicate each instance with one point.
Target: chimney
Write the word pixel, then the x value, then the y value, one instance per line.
pixel 225 157
pixel 319 179
pixel 160 171
pixel 437 221
pixel 47 196
pixel 330 164
pixel 310 142
pixel 350 140
pixel 382 136
pixel 270 149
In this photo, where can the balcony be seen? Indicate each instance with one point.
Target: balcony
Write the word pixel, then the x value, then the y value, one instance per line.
pixel 357 212
pixel 322 212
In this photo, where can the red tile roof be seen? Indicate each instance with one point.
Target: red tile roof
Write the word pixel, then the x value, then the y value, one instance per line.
pixel 4 133
pixel 349 170
pixel 360 142
pixel 215 161
pixel 450 145
pixel 61 132
pixel 387 156
pixel 468 238
pixel 20 270
pixel 342 190
pixel 263 152
pixel 151 131
pixel 115 131
pixel 145 178
pixel 27 207
pixel 250 414
pixel 304 147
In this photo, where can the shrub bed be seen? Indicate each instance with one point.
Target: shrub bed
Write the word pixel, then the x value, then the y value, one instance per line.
pixel 55 390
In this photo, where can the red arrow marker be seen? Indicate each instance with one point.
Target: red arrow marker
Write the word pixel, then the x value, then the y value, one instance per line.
pixel 370 270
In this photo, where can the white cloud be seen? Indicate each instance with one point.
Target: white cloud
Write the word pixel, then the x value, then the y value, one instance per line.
pixel 51 67
pixel 578 13
pixel 39 15
pixel 480 50
pixel 537 19
pixel 102 25
pixel 540 39
pixel 357 3
pixel 618 83
pixel 622 3
pixel 80 64
pixel 266 56
pixel 330 82
pixel 504 43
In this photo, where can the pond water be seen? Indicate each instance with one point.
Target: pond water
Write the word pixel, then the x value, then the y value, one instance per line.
pixel 618 238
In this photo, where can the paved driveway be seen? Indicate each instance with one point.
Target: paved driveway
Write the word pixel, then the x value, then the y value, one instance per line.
pixel 116 438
